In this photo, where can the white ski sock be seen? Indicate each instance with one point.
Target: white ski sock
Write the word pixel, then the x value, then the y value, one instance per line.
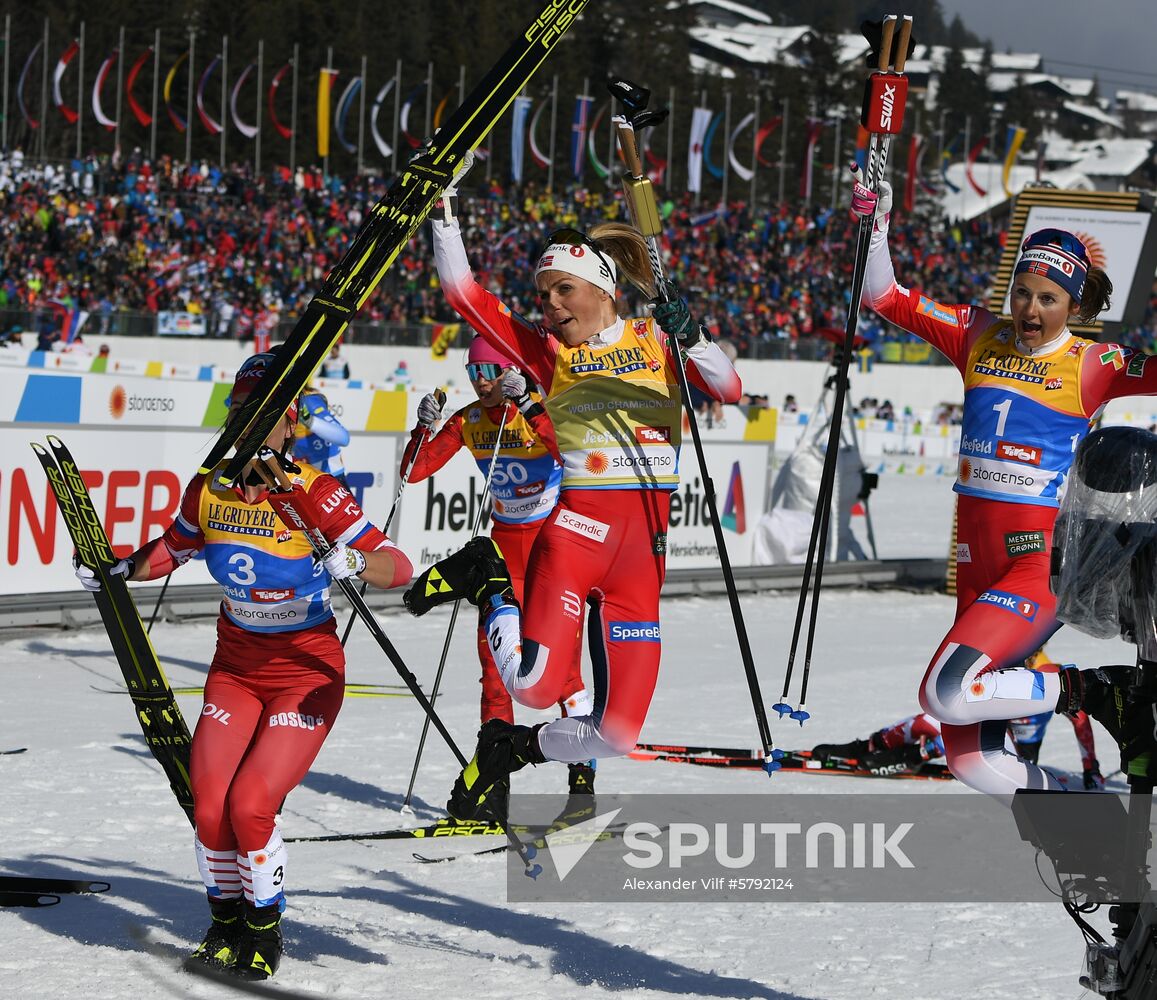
pixel 263 872
pixel 218 871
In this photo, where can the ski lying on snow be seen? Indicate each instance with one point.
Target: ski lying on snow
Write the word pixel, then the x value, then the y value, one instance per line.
pixel 446 827
pixel 792 761
pixel 17 750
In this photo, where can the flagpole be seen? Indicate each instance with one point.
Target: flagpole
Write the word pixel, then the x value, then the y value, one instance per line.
pixel 362 118
pixel 224 95
pixel 836 163
pixel 189 102
pixel 783 149
pixel 7 49
pixel 327 81
pixel 553 133
pixel 260 94
pixel 613 136
pixel 80 94
pixel 967 150
pixel 44 93
pixel 116 142
pixel 156 91
pixel 754 159
pixel 397 115
pixel 670 177
pixel 726 132
pixel 293 112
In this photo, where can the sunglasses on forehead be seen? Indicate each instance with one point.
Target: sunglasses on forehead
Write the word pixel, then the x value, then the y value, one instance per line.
pixel 486 370
pixel 1058 238
pixel 576 238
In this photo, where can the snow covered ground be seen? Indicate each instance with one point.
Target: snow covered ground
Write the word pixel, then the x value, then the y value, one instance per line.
pixel 365 919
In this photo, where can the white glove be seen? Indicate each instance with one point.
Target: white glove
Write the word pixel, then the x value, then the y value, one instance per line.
pixel 865 201
pixel 513 384
pixel 450 195
pixel 342 562
pixel 429 410
pixel 91 582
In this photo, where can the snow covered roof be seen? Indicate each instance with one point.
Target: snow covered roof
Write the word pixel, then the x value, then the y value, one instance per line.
pixel 735 10
pixel 1113 157
pixel 1001 82
pixel 753 43
pixel 1094 114
pixel 1136 100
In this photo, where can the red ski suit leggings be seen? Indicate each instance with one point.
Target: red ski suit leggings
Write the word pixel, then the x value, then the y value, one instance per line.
pixel 270 701
pixel 1004 612
pixel 597 547
pixel 516 542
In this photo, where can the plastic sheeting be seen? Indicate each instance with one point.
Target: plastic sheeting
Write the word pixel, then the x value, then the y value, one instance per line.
pixel 1104 563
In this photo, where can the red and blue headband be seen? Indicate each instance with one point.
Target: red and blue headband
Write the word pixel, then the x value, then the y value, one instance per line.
pixel 1058 256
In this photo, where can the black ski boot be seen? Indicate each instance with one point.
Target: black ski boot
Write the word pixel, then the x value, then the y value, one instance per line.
pixel 218 949
pixel 260 951
pixel 840 751
pixel 581 778
pixel 1103 692
pixel 895 760
pixel 475 572
pixel 503 748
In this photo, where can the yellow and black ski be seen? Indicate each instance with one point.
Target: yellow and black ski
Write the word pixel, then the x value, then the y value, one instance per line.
pixel 391 224
pixel 164 727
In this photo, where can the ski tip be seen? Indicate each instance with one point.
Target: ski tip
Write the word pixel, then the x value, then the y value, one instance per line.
pixel 783 708
pixel 533 871
pixel 38 448
pixel 54 440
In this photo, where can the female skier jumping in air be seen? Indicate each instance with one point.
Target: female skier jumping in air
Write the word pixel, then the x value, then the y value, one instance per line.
pixel 1030 390
pixel 612 394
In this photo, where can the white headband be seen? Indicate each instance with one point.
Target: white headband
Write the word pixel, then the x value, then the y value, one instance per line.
pixel 582 261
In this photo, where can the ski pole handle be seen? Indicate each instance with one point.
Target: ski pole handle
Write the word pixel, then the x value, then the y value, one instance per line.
pixel 637 187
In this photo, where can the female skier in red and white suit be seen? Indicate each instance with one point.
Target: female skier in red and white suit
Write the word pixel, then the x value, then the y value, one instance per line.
pixel 276 681
pixel 1030 390
pixel 612 394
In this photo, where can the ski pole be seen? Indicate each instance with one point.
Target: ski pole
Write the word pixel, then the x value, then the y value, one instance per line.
pixel 405 478
pixel 292 507
pixel 454 615
pixel 157 606
pixel 884 95
pixel 640 197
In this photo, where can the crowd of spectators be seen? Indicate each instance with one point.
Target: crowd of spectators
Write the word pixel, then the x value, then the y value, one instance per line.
pixel 248 252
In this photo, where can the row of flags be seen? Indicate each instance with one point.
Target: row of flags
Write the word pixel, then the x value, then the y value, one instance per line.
pixel 591 140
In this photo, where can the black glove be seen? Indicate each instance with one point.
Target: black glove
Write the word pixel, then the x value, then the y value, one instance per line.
pixel 673 315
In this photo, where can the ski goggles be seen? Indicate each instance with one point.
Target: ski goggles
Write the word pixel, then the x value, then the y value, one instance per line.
pixel 485 370
pixel 573 252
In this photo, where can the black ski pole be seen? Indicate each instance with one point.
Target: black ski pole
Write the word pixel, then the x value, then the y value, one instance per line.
pixel 405 478
pixel 640 197
pixel 157 606
pixel 453 618
pixel 269 466
pixel 883 114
